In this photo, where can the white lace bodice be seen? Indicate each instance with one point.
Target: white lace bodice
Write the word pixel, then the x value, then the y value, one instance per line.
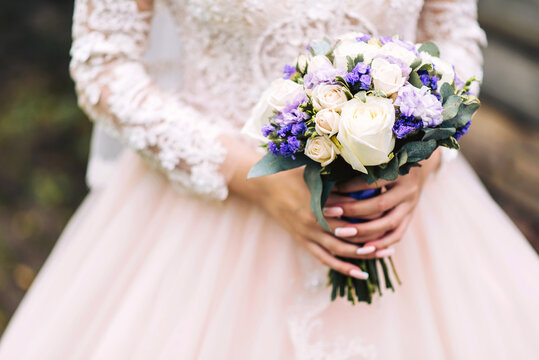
pixel 230 51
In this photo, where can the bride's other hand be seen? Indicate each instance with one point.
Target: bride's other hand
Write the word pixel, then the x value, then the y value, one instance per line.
pixel 390 212
pixel 286 198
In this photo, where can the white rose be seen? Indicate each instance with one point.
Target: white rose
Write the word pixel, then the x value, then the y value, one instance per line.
pixel 366 132
pixel 445 69
pixel 328 97
pixel 386 77
pixel 260 115
pixel 399 52
pixel 327 122
pixel 321 149
pixel 301 62
pixel 318 62
pixel 282 92
pixel 353 48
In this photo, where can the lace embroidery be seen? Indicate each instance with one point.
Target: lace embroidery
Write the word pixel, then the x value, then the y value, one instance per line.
pixel 110 38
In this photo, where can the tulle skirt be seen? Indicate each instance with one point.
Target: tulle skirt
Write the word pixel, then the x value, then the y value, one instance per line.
pixel 142 272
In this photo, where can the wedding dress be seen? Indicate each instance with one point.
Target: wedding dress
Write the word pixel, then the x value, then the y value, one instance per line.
pixel 160 262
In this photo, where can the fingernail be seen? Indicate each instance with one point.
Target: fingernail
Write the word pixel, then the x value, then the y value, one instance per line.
pixel 365 250
pixel 332 211
pixel 345 231
pixel 385 252
pixel 359 274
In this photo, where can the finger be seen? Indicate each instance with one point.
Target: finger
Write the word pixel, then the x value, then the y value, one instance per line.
pixel 348 231
pixel 378 204
pixel 391 238
pixel 386 223
pixel 334 263
pixel 339 247
pixel 358 184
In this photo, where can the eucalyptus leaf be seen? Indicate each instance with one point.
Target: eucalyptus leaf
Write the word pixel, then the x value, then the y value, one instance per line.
pixel 327 186
pixel 450 143
pixel 451 107
pixel 427 67
pixel 415 80
pixel 321 47
pixel 403 157
pixel 313 179
pixel 430 48
pixel 416 63
pixel 438 133
pixel 465 113
pixel 419 150
pixel 361 96
pixel 271 164
pixel 446 91
pixel 349 64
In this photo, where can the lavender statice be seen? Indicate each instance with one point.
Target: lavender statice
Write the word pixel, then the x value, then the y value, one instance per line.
pixel 325 75
pixel 364 38
pixel 427 80
pixel 360 74
pixel 421 104
pixel 405 125
pixel 288 71
pixel 286 148
pixel 291 112
pixel 463 130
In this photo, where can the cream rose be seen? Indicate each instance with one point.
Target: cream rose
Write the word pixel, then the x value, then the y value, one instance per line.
pixel 327 122
pixel 328 97
pixel 445 69
pixel 366 132
pixel 318 62
pixel 260 115
pixel 321 149
pixel 399 52
pixel 353 48
pixel 301 62
pixel 386 77
pixel 282 91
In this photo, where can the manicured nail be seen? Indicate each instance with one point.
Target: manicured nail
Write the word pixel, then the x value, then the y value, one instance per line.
pixel 345 231
pixel 333 211
pixel 385 252
pixel 359 274
pixel 365 250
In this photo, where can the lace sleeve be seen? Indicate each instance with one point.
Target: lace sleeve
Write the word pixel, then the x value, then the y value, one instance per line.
pixel 114 88
pixel 452 24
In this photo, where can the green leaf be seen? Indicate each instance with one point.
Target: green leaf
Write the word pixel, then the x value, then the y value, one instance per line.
pixel 446 91
pixel 416 63
pixel 361 96
pixel 427 67
pixel 464 115
pixel 430 48
pixel 419 150
pixel 321 47
pixel 349 64
pixel 313 179
pixel 450 143
pixel 390 171
pixel 414 80
pixel 451 107
pixel 438 133
pixel 403 157
pixel 405 169
pixel 271 164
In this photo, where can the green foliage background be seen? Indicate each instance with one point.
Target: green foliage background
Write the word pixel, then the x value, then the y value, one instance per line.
pixel 43 140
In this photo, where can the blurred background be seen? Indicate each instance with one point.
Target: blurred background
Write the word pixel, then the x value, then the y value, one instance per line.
pixel 44 137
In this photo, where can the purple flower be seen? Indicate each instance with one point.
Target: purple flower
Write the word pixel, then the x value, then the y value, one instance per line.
pixel 352 77
pixel 365 81
pixel 359 72
pixel 273 148
pixel 463 130
pixel 364 37
pixel 267 129
pixel 421 104
pixel 434 82
pixel 325 75
pixel 288 71
pixel 405 125
pixel 291 112
pixel 298 129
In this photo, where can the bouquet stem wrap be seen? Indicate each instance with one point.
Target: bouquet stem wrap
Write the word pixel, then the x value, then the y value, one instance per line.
pixel 362 290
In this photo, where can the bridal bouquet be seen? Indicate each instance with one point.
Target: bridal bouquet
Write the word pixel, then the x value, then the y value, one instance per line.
pixel 360 106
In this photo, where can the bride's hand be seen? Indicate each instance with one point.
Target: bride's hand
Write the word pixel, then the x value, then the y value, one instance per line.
pixel 288 202
pixel 390 212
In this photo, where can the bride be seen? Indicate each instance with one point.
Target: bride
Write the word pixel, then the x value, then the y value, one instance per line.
pixel 175 255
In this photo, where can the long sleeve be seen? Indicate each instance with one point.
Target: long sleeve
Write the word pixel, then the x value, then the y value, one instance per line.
pixel 453 26
pixel 115 90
